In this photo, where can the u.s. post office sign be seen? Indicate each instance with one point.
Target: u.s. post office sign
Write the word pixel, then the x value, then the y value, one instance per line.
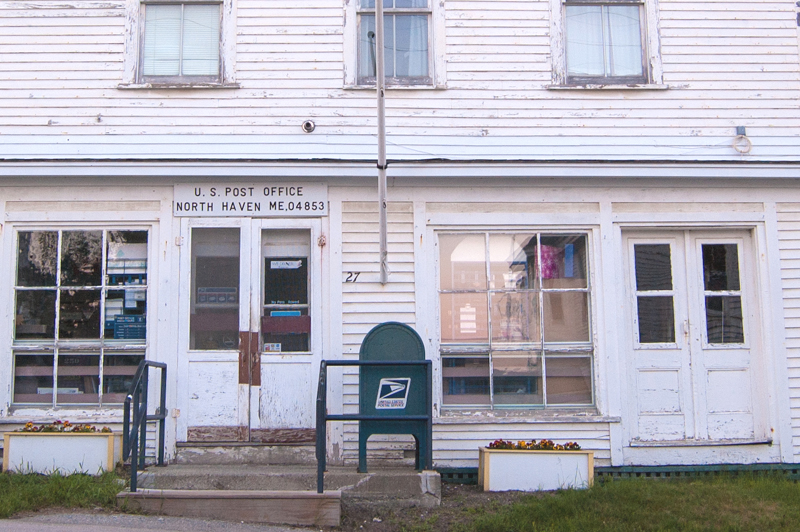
pixel 251 200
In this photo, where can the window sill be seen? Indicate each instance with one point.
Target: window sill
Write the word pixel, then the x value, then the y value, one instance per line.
pixel 609 87
pixel 395 87
pixel 700 443
pixel 180 86
pixel 451 416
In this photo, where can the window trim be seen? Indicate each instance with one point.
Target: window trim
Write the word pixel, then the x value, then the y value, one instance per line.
pixel 652 77
pixel 101 346
pixel 575 350
pixel 133 77
pixel 436 61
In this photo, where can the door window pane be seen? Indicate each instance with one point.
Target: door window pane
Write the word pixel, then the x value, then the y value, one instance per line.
pixel 517 378
pixel 569 380
pixel 724 323
pixel 465 380
pixel 656 317
pixel 653 267
pixel 214 321
pixel 720 267
pixel 285 319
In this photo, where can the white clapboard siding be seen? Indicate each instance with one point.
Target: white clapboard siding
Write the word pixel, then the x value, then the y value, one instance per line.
pixel 456 444
pixel 726 63
pixel 789 239
pixel 366 303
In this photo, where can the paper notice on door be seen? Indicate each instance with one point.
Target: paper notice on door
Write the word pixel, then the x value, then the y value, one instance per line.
pixel 272 348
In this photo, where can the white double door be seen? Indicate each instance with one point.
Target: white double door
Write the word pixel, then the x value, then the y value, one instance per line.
pixel 694 338
pixel 251 291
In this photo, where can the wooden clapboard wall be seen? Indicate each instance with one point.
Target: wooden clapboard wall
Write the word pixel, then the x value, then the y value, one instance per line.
pixel 725 63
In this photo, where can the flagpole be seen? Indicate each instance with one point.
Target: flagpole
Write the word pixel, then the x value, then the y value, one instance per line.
pixel 380 82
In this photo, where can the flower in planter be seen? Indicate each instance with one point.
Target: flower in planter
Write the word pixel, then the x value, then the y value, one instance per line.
pixel 533 445
pixel 61 426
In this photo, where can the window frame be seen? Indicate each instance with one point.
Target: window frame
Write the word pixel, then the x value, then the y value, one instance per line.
pixel 392 12
pixel 133 76
pixel 486 350
pixel 436 78
pixel 652 72
pixel 180 78
pixel 101 346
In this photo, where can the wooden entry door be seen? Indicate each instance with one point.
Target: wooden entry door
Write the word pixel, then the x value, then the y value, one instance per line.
pixel 250 344
pixel 694 337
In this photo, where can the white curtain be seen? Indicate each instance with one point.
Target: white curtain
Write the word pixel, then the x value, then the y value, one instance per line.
pixel 192 52
pixel 405 39
pixel 201 40
pixel 162 40
pixel 603 41
pixel 624 41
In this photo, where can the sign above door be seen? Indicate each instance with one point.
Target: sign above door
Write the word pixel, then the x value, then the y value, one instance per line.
pixel 251 200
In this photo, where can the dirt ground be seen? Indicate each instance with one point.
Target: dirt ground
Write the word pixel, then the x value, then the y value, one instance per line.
pixel 460 504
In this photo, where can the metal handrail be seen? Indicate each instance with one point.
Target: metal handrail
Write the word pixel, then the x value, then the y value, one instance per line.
pixel 135 418
pixel 323 417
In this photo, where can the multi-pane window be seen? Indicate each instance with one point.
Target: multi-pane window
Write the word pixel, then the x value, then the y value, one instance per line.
pixel 181 42
pixel 514 314
pixel 406 38
pixel 80 311
pixel 604 42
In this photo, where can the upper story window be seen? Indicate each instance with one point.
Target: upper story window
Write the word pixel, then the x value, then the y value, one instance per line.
pixel 181 43
pixel 515 319
pixel 80 315
pixel 609 43
pixel 407 42
pixel 604 42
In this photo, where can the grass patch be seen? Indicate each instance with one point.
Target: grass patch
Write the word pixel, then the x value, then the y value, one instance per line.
pixel 28 492
pixel 740 503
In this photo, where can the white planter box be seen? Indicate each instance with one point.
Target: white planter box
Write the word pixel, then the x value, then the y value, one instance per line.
pixel 63 452
pixel 511 469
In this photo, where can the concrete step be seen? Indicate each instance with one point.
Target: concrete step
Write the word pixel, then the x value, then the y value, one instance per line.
pixel 273 507
pixel 245 453
pixel 398 486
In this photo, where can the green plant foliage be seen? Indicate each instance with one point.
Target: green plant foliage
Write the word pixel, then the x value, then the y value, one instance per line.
pixel 744 503
pixel 28 492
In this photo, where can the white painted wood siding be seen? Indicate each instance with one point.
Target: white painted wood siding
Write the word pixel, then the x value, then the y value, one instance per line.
pixel 366 303
pixel 789 241
pixel 726 63
pixel 456 444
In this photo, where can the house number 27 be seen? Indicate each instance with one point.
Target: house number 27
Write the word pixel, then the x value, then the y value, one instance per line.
pixel 352 277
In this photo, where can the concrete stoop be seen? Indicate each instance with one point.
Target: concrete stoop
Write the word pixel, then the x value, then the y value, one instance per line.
pixel 278 494
pixel 252 506
pixel 245 453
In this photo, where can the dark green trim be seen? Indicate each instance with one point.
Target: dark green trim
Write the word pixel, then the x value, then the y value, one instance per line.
pixel 469 475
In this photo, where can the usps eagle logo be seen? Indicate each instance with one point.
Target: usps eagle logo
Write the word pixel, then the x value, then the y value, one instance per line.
pixel 392 393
